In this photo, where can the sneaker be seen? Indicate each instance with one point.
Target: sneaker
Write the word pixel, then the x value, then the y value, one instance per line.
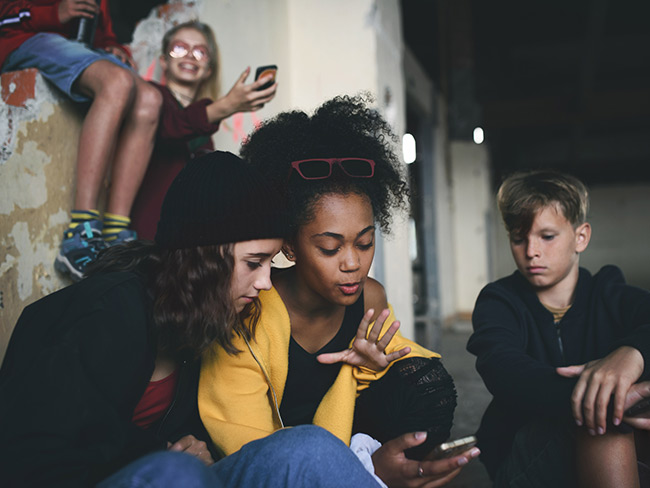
pixel 124 236
pixel 80 249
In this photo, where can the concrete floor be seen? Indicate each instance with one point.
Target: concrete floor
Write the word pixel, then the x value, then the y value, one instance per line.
pixel 473 398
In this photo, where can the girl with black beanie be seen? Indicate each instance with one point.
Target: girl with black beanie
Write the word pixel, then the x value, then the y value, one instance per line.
pixel 99 381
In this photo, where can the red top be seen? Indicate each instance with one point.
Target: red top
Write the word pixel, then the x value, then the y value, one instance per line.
pixel 21 19
pixel 155 401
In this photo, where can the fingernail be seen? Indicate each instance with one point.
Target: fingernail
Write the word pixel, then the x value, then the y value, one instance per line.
pixel 601 431
pixel 462 461
pixel 420 435
pixel 592 432
pixel 579 423
pixel 617 421
pixel 475 452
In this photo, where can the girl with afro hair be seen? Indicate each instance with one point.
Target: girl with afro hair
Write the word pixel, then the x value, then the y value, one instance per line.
pixel 326 349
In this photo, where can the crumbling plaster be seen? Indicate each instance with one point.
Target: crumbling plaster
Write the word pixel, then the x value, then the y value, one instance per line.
pixel 37 170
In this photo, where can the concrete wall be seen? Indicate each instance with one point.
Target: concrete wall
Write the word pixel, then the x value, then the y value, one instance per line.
pixel 444 208
pixel 39 136
pixel 620 233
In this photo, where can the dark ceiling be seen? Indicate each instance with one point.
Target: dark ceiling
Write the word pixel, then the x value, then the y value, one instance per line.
pixel 559 84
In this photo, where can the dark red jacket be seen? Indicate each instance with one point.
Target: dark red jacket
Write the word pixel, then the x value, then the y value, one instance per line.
pixel 183 133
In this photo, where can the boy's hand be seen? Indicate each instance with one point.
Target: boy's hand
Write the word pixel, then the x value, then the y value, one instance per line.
pixel 599 380
pixel 191 445
pixel 369 352
pixel 72 9
pixel 396 470
pixel 638 392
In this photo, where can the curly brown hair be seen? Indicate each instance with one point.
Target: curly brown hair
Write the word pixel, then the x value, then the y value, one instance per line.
pixel 190 290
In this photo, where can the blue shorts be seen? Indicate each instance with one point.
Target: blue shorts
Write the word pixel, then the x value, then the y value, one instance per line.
pixel 60 60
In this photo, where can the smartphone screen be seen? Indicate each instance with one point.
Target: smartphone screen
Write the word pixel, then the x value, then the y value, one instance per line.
pixel 262 71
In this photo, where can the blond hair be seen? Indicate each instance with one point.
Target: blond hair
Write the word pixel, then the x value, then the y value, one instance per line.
pixel 523 194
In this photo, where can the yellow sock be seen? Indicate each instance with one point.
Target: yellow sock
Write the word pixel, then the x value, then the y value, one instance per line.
pixel 113 225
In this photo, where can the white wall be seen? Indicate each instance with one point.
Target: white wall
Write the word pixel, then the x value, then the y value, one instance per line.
pixel 471 209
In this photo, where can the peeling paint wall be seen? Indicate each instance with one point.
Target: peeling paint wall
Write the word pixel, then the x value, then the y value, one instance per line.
pixel 38 147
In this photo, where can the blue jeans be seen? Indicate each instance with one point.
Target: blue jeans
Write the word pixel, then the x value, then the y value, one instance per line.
pixel 59 60
pixel 306 455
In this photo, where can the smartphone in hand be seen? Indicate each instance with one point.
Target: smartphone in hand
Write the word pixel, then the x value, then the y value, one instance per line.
pixel 262 71
pixel 451 449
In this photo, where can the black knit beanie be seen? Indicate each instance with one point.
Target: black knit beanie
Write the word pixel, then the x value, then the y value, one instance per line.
pixel 217 199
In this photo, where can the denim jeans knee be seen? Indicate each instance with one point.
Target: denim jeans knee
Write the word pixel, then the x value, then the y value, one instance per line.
pixel 163 470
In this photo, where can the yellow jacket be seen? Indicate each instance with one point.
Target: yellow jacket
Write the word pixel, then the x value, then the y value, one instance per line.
pixel 239 398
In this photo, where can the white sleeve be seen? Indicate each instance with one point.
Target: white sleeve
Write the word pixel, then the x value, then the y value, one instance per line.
pixel 363 446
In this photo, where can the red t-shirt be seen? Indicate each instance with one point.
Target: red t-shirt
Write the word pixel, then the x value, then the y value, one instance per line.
pixel 155 401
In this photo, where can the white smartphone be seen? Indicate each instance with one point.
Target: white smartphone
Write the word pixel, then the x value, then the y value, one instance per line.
pixel 451 448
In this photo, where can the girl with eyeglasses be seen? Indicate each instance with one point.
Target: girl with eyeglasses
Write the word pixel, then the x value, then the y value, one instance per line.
pixel 191 112
pixel 317 354
pixel 99 382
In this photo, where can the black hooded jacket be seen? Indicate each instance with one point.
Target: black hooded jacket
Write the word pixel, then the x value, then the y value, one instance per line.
pixel 76 366
pixel 518 346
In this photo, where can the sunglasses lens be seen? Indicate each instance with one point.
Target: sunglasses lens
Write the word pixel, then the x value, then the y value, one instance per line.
pixel 178 51
pixel 357 167
pixel 200 53
pixel 315 168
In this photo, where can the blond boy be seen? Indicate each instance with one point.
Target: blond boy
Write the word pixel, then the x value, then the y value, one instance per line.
pixel 557 347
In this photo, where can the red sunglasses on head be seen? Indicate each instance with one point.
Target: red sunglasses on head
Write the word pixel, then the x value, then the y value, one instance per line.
pixel 320 168
pixel 180 49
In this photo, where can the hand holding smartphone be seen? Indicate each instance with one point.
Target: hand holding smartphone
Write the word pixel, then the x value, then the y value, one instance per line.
pixel 452 448
pixel 262 71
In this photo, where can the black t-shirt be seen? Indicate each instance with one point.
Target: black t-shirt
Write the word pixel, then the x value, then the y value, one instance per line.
pixel 307 379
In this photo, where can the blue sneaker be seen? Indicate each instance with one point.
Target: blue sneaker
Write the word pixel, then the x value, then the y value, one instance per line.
pixel 80 249
pixel 123 236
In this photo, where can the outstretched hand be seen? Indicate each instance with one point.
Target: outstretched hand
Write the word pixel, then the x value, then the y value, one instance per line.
pixel 599 380
pixel 396 470
pixel 73 9
pixel 369 351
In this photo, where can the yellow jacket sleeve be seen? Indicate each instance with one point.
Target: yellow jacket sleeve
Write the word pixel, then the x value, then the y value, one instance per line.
pixel 234 399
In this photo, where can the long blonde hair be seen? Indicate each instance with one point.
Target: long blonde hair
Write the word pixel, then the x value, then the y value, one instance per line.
pixel 210 87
